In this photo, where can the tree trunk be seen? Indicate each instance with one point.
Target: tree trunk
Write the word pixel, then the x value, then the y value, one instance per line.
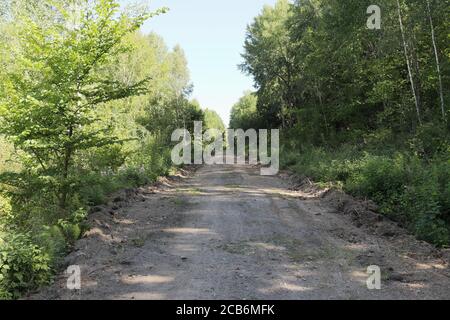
pixel 433 39
pixel 416 67
pixel 408 64
pixel 325 120
pixel 65 174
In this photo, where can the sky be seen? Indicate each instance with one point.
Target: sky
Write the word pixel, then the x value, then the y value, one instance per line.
pixel 212 34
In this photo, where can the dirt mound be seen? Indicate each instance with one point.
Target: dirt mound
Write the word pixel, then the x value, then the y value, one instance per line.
pixel 103 218
pixel 364 215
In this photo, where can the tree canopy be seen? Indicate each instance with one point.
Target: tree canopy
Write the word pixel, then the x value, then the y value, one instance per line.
pixel 358 106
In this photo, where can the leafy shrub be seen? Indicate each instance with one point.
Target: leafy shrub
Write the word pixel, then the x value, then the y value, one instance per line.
pixel 23 265
pixel 440 170
pixel 52 240
pixel 428 199
pixel 5 208
pixel 431 139
pixel 379 178
pixel 406 188
pixel 133 177
pixel 73 227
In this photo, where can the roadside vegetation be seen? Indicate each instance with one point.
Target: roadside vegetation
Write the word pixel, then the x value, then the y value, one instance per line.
pixel 362 110
pixel 87 107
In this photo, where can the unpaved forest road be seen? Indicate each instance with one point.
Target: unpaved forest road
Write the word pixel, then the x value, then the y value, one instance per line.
pixel 229 233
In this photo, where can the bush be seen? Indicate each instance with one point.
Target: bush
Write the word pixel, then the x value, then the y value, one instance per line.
pixel 406 188
pixel 53 242
pixel 430 140
pixel 73 228
pixel 23 265
pixel 381 179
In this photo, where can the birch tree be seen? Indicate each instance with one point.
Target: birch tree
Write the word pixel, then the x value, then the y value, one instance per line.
pixel 436 55
pixel 408 63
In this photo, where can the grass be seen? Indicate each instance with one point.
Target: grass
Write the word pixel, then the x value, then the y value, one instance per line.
pixel 139 242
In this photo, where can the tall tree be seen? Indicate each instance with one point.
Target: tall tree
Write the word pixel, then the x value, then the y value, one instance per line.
pixel 436 55
pixel 408 63
pixel 51 97
pixel 213 120
pixel 268 58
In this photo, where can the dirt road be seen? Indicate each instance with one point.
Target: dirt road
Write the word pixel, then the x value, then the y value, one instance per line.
pixel 228 233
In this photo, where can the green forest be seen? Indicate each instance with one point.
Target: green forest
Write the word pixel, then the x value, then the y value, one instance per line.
pixel 87 107
pixel 362 110
pixel 88 104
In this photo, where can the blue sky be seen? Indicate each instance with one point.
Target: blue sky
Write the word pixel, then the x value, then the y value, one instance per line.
pixel 212 34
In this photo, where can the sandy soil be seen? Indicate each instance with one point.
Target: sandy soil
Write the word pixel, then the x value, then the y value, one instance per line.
pixel 225 232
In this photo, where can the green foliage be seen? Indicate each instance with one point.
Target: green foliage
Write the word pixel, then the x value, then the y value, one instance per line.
pixel 244 113
pixel 87 105
pixel 406 189
pixel 377 177
pixel 268 59
pixel 320 69
pixel 51 95
pixel 213 121
pixel 361 109
pixel 23 265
